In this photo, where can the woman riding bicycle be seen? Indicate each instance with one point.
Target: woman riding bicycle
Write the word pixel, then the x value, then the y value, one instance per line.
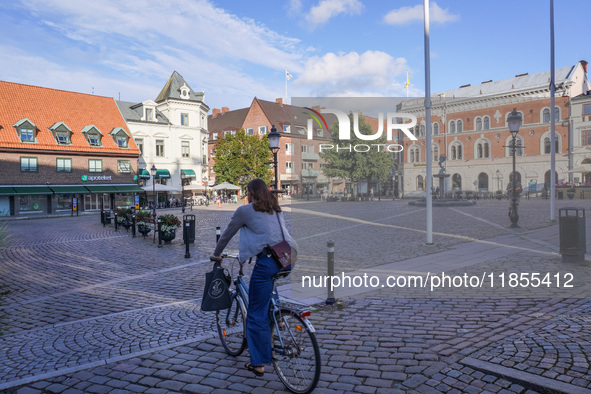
pixel 259 226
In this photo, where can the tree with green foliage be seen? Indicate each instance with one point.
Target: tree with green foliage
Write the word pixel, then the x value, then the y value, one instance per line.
pixel 374 165
pixel 240 158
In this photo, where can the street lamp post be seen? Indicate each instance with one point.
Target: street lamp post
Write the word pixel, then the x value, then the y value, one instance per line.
pixel 154 171
pixel 183 177
pixel 514 122
pixel 274 137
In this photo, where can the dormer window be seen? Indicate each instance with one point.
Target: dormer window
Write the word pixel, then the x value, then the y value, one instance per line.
pixel 93 135
pixel 120 137
pixel 185 91
pixel 61 133
pixel 26 130
pixel 149 114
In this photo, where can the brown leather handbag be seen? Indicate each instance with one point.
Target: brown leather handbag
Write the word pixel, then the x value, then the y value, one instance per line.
pixel 283 254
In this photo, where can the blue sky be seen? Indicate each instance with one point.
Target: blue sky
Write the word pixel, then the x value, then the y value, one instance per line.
pixel 234 50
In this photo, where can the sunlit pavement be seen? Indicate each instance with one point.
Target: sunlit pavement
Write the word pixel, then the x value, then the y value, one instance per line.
pixel 95 310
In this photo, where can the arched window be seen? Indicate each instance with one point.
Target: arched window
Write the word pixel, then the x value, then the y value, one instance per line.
pixel 482 182
pixel 486 150
pixel 435 153
pixel 420 185
pixel 436 128
pixel 479 151
pixel 547 145
pixel 452 127
pixel 456 182
pixel 414 154
pixel 486 123
pixel 456 151
pixel 478 124
pixel 422 130
pixel 546 115
pixel 519 146
pixel 547 176
pixel 460 126
pixel 482 149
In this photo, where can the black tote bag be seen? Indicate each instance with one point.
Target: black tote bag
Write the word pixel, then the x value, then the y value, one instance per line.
pixel 216 294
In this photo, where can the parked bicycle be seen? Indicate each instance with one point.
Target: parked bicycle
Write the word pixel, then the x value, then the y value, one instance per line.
pixel 296 355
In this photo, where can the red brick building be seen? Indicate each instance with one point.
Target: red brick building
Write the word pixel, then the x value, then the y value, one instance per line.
pixel 299 164
pixel 57 145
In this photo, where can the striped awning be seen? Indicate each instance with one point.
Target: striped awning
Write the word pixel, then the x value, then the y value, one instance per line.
pixel 189 173
pixel 162 174
pixel 144 174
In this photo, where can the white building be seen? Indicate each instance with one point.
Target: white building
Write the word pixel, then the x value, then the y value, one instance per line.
pixel 171 133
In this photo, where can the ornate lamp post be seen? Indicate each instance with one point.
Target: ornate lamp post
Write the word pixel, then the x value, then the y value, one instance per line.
pixel 514 122
pixel 154 171
pixel 183 177
pixel 274 137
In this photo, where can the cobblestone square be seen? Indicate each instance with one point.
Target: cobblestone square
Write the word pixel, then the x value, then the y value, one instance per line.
pixel 91 309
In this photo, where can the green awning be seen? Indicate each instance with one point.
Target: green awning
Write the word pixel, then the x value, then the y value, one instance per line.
pixel 32 190
pixel 7 191
pixel 69 189
pixel 189 173
pixel 162 174
pixel 144 174
pixel 129 189
pixel 101 189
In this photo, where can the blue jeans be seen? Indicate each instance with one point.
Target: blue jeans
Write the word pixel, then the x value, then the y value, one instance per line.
pixel 258 326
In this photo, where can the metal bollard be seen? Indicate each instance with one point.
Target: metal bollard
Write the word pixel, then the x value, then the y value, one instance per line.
pixel 330 271
pixel 187 252
pixel 159 233
pixel 218 234
pixel 133 225
pixel 115 220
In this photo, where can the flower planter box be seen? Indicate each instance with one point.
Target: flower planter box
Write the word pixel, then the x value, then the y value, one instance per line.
pixel 167 237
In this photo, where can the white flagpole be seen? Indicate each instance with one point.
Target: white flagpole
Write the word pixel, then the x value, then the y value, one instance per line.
pixel 552 117
pixel 428 153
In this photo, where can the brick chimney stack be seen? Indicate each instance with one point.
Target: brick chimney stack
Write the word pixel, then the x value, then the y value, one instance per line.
pixel 215 112
pixel 279 101
pixel 225 109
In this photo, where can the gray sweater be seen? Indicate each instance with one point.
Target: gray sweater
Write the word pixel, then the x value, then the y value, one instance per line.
pixel 257 230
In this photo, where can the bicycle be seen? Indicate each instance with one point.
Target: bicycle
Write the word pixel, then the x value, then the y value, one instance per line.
pixel 296 355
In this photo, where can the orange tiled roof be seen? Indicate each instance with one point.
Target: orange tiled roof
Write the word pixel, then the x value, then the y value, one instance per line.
pixel 45 107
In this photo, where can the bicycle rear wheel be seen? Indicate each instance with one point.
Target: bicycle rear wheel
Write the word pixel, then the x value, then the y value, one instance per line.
pixel 231 327
pixel 296 356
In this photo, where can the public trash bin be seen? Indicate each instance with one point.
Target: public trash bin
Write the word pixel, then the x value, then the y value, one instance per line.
pixel 560 195
pixel 573 237
pixel 189 230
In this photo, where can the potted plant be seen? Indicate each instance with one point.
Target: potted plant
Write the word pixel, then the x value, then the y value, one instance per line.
pixel 143 222
pixel 169 224
pixel 124 217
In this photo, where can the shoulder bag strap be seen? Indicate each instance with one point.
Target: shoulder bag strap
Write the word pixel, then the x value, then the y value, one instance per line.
pixel 280 226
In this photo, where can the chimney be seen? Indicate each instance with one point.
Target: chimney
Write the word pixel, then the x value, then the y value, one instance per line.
pixel 584 64
pixel 225 109
pixel 215 112
pixel 279 101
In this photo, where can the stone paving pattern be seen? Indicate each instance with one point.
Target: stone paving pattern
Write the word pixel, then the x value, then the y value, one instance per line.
pixel 92 310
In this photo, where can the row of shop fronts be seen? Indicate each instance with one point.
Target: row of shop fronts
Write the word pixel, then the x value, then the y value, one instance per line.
pixel 34 200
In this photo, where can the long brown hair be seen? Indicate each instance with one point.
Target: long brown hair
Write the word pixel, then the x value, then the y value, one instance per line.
pixel 262 198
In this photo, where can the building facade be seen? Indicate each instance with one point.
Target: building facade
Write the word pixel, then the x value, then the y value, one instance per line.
pixel 171 133
pixel 299 162
pixel 469 128
pixel 61 151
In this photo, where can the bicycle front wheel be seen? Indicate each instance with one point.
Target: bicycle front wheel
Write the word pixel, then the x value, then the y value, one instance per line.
pixel 231 327
pixel 296 356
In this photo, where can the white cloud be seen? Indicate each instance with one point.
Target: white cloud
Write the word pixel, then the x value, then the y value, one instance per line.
pixel 326 9
pixel 144 25
pixel 334 74
pixel 406 15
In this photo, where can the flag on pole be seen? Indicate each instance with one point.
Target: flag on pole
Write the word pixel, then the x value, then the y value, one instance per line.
pixel 407 81
pixel 287 75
